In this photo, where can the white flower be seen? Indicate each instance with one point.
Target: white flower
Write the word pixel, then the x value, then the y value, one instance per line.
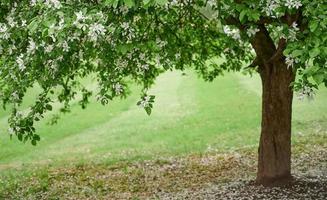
pixel 80 16
pixel 123 9
pixel 252 31
pixel 65 46
pixel 125 26
pixel 145 67
pixel 95 31
pixel 292 32
pixel 121 64
pixel 271 6
pixel 11 21
pixel 297 4
pixel 61 24
pixel 20 62
pixel 306 91
pixel 289 61
pixel 23 23
pixel 142 56
pixel 48 48
pixel 145 102
pixel 15 96
pixel 211 3
pixel 4 34
pixel 31 47
pixel 118 88
pixel 3 28
pixel 234 33
pixel 53 4
pixel 33 2
pixel 11 131
pixel 290 4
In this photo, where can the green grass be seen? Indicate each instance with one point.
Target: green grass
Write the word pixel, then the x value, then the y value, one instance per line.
pixel 189 116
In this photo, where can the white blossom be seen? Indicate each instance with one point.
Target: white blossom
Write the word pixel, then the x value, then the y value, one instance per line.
pixel 211 3
pixel 118 88
pixel 11 131
pixel 145 102
pixel 295 27
pixel 270 7
pixel 252 31
pixel 293 32
pixel 3 28
pixel 234 33
pixel 23 23
pixel 48 48
pixel 125 25
pixel 290 4
pixel 65 46
pixel 20 62
pixel 4 34
pixel 15 96
pixel 11 22
pixel 145 67
pixel 95 31
pixel 306 91
pixel 33 2
pixel 121 64
pixel 31 47
pixel 53 4
pixel 290 61
pixel 80 16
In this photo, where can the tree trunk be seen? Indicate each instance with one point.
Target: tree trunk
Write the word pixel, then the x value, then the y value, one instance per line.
pixel 274 164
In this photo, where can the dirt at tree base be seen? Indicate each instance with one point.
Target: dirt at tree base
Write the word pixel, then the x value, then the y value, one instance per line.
pixel 213 175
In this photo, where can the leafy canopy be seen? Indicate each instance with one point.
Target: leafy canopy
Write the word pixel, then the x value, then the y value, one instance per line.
pixel 55 43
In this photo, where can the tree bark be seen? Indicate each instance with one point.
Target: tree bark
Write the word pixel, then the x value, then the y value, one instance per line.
pixel 274 163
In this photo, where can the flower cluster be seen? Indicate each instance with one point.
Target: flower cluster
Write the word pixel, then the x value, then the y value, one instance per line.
pixel 306 91
pixel 290 4
pixel 50 3
pixel 252 31
pixel 233 33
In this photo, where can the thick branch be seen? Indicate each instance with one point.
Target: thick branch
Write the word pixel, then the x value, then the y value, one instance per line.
pixel 279 52
pixel 235 22
pixel 255 63
pixel 263 44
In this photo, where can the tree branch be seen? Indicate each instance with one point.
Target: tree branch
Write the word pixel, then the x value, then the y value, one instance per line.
pixel 279 51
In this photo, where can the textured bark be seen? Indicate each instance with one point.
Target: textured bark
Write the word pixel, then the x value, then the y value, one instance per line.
pixel 274 164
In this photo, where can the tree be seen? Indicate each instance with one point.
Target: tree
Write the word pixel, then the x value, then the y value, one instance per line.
pixel 55 43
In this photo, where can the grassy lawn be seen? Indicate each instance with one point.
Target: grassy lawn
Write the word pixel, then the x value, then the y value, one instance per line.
pixel 190 116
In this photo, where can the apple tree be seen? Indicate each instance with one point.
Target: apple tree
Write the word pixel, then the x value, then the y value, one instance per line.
pixel 56 43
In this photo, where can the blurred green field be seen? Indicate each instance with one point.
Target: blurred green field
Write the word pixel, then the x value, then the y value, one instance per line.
pixel 189 116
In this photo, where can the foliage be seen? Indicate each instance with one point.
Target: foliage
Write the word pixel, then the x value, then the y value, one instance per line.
pixel 55 43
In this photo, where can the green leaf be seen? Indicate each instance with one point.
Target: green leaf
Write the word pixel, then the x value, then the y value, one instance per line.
pixel 297 53
pixel 314 52
pixel 161 2
pixel 242 15
pixel 148 110
pixel 36 137
pixel 318 78
pixel 33 142
pixel 313 25
pixel 48 107
pixel 129 3
pixel 147 2
pixel 33 26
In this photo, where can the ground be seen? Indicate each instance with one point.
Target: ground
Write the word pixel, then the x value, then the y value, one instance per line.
pixel 199 143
